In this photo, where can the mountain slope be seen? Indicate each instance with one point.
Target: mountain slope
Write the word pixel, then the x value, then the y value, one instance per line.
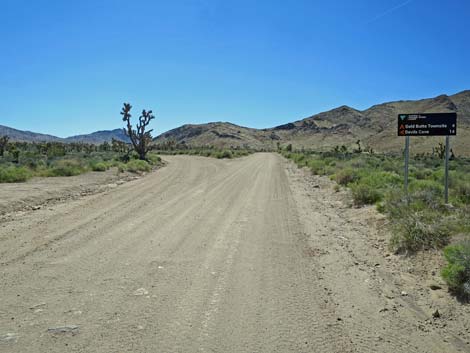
pixel 26 136
pixel 97 137
pixel 218 134
pixel 375 127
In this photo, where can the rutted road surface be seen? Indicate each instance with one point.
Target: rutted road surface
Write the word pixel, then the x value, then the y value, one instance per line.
pixel 203 255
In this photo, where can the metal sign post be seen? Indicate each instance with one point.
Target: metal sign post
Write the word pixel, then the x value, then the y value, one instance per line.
pixel 407 161
pixel 447 170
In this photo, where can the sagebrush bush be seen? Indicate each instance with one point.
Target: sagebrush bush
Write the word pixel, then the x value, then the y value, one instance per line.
pixel 457 271
pixel 66 167
pixel 364 194
pixel 14 174
pixel 100 167
pixel 416 231
pixel 137 165
pixel 462 191
pixel 317 166
pixel 418 220
pixel 346 176
pixel 153 158
pixel 224 154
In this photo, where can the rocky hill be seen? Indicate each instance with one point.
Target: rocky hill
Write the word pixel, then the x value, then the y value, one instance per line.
pixel 26 136
pixel 375 127
pixel 99 137
pixel 94 138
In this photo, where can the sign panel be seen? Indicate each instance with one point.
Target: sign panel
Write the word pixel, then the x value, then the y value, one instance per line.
pixel 432 124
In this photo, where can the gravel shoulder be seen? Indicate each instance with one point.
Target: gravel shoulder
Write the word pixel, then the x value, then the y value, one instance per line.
pixel 245 255
pixel 43 192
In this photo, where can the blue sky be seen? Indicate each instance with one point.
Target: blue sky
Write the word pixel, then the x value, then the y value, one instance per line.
pixel 67 66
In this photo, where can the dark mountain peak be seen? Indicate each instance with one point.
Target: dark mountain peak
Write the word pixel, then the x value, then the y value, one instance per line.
pixel 345 109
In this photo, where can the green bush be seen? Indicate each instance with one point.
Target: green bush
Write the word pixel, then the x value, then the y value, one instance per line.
pixel 153 158
pixel 457 271
pixel 346 176
pixel 225 154
pixel 364 194
pixel 421 230
pixel 100 167
pixel 421 173
pixel 66 167
pixel 419 220
pixel 462 191
pixel 317 166
pixel 137 165
pixel 14 174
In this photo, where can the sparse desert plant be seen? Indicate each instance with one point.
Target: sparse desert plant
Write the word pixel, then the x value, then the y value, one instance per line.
pixel 418 220
pixel 462 191
pixel 457 271
pixel 137 165
pixel 364 194
pixel 418 230
pixel 3 145
pixel 14 174
pixel 317 166
pixel 100 167
pixel 346 176
pixel 140 138
pixel 223 154
pixel 66 167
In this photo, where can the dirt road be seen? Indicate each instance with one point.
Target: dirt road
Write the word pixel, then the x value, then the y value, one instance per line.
pixel 206 255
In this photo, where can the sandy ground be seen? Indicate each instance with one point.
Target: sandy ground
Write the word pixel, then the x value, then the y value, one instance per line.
pixel 204 255
pixel 42 192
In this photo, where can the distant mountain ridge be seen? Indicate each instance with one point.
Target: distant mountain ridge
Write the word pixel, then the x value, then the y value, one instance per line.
pixel 375 127
pixel 97 137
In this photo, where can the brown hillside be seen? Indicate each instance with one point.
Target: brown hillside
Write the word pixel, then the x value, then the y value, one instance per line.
pixel 375 127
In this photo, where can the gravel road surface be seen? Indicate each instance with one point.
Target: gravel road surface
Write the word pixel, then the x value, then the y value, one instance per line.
pixel 205 255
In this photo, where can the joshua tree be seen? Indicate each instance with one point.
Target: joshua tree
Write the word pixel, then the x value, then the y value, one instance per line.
pixel 440 150
pixel 140 138
pixel 359 147
pixel 3 144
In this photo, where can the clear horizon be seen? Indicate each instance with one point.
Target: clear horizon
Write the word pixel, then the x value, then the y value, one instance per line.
pixel 69 67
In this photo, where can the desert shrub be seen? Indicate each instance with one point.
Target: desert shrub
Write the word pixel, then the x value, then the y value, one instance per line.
pixel 223 154
pixel 461 189
pixel 121 167
pixel 390 165
pixel 299 158
pixel 421 230
pixel 346 176
pixel 457 271
pixel 100 167
pixel 419 220
pixel 14 174
pixel 421 173
pixel 364 194
pixel 154 159
pixel 137 165
pixel 317 166
pixel 66 167
pixel 380 179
